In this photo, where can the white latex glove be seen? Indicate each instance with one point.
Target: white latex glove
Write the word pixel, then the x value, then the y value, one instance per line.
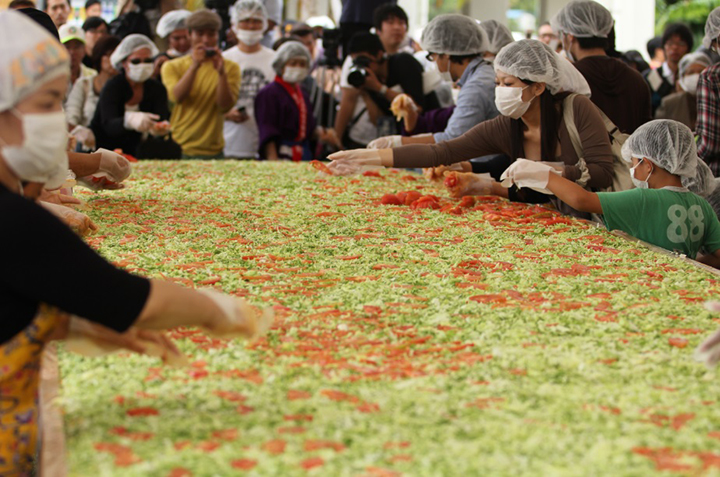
pixel 438 173
pixel 139 121
pixel 241 320
pixel 460 184
pixel 709 351
pixel 345 163
pixel 84 136
pixel 116 166
pixel 161 129
pixel 401 105
pixel 77 221
pixel 531 174
pixel 387 142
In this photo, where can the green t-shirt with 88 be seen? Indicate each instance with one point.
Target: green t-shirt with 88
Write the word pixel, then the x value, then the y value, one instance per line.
pixel 681 222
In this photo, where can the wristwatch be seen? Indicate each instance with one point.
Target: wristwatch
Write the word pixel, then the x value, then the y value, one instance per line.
pixel 383 90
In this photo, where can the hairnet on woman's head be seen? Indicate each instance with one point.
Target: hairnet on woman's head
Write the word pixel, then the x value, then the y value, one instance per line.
pixel 247 9
pixel 454 34
pixel 130 45
pixel 171 21
pixel 533 60
pixel 288 51
pixel 583 19
pixel 29 58
pixel 703 182
pixel 712 28
pixel 498 35
pixel 692 58
pixel 667 143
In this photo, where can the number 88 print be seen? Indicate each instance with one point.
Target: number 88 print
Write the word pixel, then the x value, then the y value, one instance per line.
pixel 677 231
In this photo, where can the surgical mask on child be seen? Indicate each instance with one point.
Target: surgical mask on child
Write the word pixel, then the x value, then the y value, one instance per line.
pixel 295 74
pixel 42 157
pixel 689 83
pixel 638 183
pixel 509 102
pixel 140 73
pixel 249 37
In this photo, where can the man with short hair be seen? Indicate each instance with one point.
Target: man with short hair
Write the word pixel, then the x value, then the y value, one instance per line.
pixel 204 86
pixel 74 40
pixel 655 52
pixel 677 41
pixel 95 29
pixel 357 17
pixel 391 25
pixel 547 35
pixel 93 8
pixel 59 11
pixel 617 89
pixel 305 35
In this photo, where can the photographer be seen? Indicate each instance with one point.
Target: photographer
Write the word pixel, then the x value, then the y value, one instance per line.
pixel 203 87
pixel 377 78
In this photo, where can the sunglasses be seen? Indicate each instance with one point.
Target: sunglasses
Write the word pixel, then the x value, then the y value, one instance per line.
pixel 137 61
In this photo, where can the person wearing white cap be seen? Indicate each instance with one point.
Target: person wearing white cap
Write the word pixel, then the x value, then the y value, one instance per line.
pixel 584 27
pixel 708 99
pixel 117 308
pixel 682 105
pixel 73 37
pixel 660 210
pixel 249 23
pixel 533 82
pixel 172 26
pixel 132 104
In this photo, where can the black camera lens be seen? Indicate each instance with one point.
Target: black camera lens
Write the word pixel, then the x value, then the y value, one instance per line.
pixel 209 53
pixel 356 76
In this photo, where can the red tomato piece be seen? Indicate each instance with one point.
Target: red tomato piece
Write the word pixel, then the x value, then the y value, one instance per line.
pixel 451 180
pixel 371 174
pixel 489 298
pixel 243 464
pixel 401 196
pixel 275 446
pixel 321 167
pixel 412 196
pixel 312 463
pixel 467 202
pixel 142 411
pixel 391 199
pixel 678 342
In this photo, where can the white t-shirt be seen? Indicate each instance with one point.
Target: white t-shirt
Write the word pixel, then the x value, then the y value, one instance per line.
pixel 241 139
pixel 363 131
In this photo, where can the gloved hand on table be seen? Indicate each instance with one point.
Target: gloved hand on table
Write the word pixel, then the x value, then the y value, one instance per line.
pixel 387 142
pixel 438 173
pixel 531 174
pixel 77 221
pixel 114 169
pixel 84 136
pixel 241 320
pixel 140 121
pixel 461 184
pixel 346 163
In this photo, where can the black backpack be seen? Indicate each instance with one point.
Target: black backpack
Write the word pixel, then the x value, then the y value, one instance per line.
pixel 131 22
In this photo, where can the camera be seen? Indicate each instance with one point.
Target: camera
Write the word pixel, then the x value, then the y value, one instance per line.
pixel 209 53
pixel 331 47
pixel 358 73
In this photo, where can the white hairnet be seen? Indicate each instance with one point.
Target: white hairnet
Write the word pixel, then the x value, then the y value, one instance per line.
pixel 583 19
pixel 712 28
pixel 288 51
pixel 171 21
pixel 667 143
pixel 703 183
pixel 692 58
pixel 454 34
pixel 29 57
pixel 246 9
pixel 498 35
pixel 323 21
pixel 130 45
pixel 533 60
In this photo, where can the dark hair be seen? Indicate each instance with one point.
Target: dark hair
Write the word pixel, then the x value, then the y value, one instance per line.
pixel 592 42
pixel 653 45
pixel 93 22
pixel 459 59
pixel 550 116
pixel 611 49
pixel 42 19
pixel 103 47
pixel 90 3
pixel 281 41
pixel 365 43
pixel 634 58
pixel 681 30
pixel 387 12
pixel 17 4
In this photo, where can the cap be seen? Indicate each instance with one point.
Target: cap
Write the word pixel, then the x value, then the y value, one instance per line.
pixel 71 32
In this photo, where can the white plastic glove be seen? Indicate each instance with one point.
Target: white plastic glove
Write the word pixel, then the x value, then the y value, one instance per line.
pixel 77 221
pixel 346 163
pixel 709 351
pixel 438 173
pixel 161 128
pixel 387 142
pixel 402 105
pixel 116 166
pixel 140 121
pixel 460 184
pixel 84 136
pixel 241 320
pixel 531 174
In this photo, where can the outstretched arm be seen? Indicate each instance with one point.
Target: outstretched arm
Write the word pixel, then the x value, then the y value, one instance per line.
pixel 574 195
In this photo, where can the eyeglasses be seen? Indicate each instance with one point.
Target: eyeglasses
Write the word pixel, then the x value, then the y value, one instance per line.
pixel 137 61
pixel 676 44
pixel 433 56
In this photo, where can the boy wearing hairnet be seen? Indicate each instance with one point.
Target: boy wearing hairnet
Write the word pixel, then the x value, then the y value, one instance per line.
pixel 660 210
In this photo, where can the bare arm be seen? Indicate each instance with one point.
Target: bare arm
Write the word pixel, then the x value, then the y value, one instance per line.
pixel 348 100
pixel 182 89
pixel 712 260
pixel 271 153
pixel 418 139
pixel 372 107
pixel 574 195
pixel 84 165
pixel 225 99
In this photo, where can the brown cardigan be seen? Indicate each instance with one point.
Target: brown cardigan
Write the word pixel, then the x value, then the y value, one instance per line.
pixel 680 107
pixel 494 137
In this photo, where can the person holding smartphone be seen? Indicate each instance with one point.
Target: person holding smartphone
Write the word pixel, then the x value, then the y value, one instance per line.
pixel 203 87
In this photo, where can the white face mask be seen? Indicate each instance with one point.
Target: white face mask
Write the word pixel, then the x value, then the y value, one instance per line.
pixel 249 37
pixel 295 74
pixel 42 157
pixel 446 76
pixel 140 73
pixel 689 83
pixel 566 48
pixel 638 183
pixel 509 102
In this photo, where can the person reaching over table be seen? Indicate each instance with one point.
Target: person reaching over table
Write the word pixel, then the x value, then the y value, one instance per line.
pixel 283 113
pixel 132 105
pixel 660 210
pixel 532 82
pixel 116 307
